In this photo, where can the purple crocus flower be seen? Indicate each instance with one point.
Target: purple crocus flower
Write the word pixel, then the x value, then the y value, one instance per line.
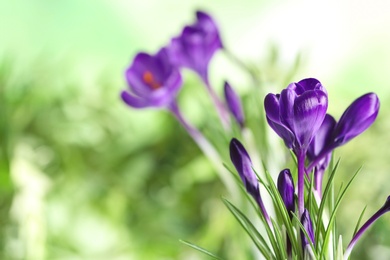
pixel 234 104
pixel 286 190
pixel 196 45
pixel 297 113
pixel 243 164
pixel 384 209
pixel 153 81
pixel 307 224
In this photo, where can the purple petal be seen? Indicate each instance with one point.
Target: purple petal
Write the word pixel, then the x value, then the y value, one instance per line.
pixel 286 106
pixel 309 112
pixel 165 95
pixel 133 101
pixel 209 26
pixel 309 84
pixel 142 62
pixel 234 104
pixel 271 106
pixel 285 133
pixel 322 137
pixel 357 118
pixel 205 21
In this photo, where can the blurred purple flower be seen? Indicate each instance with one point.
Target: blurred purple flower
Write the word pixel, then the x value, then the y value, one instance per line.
pixel 196 45
pixel 153 81
pixel 287 190
pixel 243 164
pixel 234 104
pixel 307 224
pixel 297 113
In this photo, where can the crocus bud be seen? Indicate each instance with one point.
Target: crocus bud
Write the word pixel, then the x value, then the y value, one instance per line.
pixel 286 190
pixel 243 164
pixel 307 224
pixel 234 104
pixel 153 81
pixel 297 113
pixel 356 119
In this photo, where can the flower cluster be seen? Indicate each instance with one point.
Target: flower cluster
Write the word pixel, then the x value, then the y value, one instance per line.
pixel 299 116
pixel 155 79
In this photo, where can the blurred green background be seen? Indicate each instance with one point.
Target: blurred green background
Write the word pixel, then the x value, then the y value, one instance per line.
pixel 85 177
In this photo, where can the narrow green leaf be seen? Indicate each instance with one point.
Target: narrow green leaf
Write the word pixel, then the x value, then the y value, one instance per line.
pixel 256 237
pixel 359 220
pixel 280 241
pixel 339 250
pixel 200 249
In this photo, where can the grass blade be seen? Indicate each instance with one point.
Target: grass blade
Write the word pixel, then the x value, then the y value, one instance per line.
pixel 256 237
pixel 200 249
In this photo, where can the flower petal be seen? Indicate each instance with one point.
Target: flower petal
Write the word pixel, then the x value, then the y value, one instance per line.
pixel 309 112
pixel 322 137
pixel 286 106
pixel 285 133
pixel 309 84
pixel 134 101
pixel 271 106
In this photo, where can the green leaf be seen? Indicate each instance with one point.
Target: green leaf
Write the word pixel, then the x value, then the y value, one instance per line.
pixel 256 237
pixel 200 249
pixel 279 240
pixel 358 222
pixel 339 250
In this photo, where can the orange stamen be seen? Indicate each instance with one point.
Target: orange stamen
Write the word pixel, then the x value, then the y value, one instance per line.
pixel 149 79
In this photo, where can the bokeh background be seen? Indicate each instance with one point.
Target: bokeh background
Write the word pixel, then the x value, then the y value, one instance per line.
pixel 82 176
